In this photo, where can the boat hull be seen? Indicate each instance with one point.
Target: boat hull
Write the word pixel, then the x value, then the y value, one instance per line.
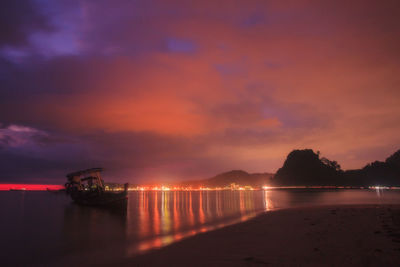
pixel 101 199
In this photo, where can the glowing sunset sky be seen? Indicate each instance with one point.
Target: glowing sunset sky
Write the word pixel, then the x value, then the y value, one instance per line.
pixel 187 89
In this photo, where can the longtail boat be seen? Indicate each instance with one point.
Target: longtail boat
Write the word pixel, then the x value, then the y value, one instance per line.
pixel 87 188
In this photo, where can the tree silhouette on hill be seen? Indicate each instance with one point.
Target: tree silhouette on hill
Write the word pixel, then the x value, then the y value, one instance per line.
pixel 305 167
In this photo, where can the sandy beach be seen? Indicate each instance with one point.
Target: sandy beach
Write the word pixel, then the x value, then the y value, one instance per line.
pixel 362 235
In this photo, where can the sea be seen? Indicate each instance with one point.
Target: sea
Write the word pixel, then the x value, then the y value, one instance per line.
pixel 48 229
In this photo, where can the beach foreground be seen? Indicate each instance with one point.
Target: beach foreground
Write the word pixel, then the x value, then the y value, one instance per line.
pixel 362 235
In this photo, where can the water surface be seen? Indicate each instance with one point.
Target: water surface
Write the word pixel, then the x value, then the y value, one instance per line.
pixel 46 228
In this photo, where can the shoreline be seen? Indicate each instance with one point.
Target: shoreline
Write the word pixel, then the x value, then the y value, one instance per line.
pixel 334 235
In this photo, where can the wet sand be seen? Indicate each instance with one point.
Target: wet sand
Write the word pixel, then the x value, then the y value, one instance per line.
pixel 362 235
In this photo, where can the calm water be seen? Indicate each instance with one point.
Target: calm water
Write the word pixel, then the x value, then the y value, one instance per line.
pixel 46 228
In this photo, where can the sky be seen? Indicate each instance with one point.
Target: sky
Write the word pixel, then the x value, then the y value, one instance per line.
pixel 173 90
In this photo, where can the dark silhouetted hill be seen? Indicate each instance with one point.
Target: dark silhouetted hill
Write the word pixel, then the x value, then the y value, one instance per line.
pixel 236 176
pixel 305 167
pixel 386 173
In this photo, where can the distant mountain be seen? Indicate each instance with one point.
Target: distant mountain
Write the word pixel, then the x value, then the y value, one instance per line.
pixel 236 176
pixel 305 167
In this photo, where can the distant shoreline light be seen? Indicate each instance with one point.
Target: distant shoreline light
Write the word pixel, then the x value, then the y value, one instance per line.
pixel 44 187
pixel 248 188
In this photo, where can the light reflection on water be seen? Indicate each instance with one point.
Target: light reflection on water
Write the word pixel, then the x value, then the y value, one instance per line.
pixel 45 228
pixel 168 216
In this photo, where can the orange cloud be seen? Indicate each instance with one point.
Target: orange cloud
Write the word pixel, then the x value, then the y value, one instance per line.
pixel 254 80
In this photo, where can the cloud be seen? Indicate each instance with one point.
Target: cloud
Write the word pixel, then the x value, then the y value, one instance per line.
pixel 178 45
pixel 181 89
pixel 18 19
pixel 15 136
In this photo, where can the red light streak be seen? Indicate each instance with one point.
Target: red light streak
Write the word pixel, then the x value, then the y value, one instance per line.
pixel 30 187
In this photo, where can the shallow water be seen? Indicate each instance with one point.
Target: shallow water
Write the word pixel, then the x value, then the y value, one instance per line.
pixel 46 228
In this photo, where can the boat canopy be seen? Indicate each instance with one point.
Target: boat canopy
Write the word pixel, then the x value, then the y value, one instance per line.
pixel 71 175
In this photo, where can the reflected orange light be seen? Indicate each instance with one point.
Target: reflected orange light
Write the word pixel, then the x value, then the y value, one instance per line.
pixel 157 243
pixel 178 236
pixel 267 202
pixel 166 220
pixel 156 223
pixel 241 201
pixel 143 214
pixel 165 213
pixel 201 211
pixel 175 213
pixel 218 204
pixel 191 215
